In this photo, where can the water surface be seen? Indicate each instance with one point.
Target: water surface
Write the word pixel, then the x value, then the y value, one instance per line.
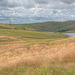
pixel 70 34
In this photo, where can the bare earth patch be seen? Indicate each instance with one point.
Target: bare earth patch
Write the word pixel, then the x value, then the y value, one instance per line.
pixel 5 37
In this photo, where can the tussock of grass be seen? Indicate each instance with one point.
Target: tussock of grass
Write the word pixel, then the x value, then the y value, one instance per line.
pixel 38 59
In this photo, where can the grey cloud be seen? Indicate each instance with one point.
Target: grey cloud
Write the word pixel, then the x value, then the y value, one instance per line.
pixel 33 3
pixel 42 1
pixel 68 1
pixel 8 3
pixel 28 4
pixel 48 9
pixel 17 3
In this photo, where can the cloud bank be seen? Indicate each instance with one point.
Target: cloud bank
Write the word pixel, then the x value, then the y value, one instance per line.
pixel 29 11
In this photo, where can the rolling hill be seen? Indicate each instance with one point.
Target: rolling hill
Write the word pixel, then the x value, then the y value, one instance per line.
pixel 26 51
pixel 67 26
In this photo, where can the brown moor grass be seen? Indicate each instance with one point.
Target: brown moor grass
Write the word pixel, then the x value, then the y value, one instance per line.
pixel 15 53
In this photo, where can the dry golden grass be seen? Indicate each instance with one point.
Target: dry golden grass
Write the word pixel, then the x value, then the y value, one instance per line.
pixel 15 53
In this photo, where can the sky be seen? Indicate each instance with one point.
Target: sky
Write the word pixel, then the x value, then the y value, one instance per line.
pixel 33 11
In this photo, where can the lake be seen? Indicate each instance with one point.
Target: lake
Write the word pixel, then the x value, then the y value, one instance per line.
pixel 70 34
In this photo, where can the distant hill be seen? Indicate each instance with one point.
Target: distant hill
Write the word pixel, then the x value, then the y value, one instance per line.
pixel 67 26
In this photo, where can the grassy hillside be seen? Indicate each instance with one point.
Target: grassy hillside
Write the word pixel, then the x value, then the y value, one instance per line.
pixel 25 52
pixel 67 26
pixel 30 34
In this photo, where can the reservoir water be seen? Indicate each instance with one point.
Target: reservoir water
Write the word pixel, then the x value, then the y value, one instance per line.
pixel 70 34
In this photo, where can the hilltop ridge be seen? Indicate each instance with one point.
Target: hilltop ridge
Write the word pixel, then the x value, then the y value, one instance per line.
pixel 51 26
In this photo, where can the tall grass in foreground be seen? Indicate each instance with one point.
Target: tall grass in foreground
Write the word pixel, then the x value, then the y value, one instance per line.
pixel 36 53
pixel 52 69
pixel 52 58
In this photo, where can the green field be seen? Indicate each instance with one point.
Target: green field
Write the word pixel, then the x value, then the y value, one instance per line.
pixel 31 34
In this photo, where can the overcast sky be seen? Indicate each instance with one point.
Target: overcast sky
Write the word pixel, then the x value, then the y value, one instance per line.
pixel 30 11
